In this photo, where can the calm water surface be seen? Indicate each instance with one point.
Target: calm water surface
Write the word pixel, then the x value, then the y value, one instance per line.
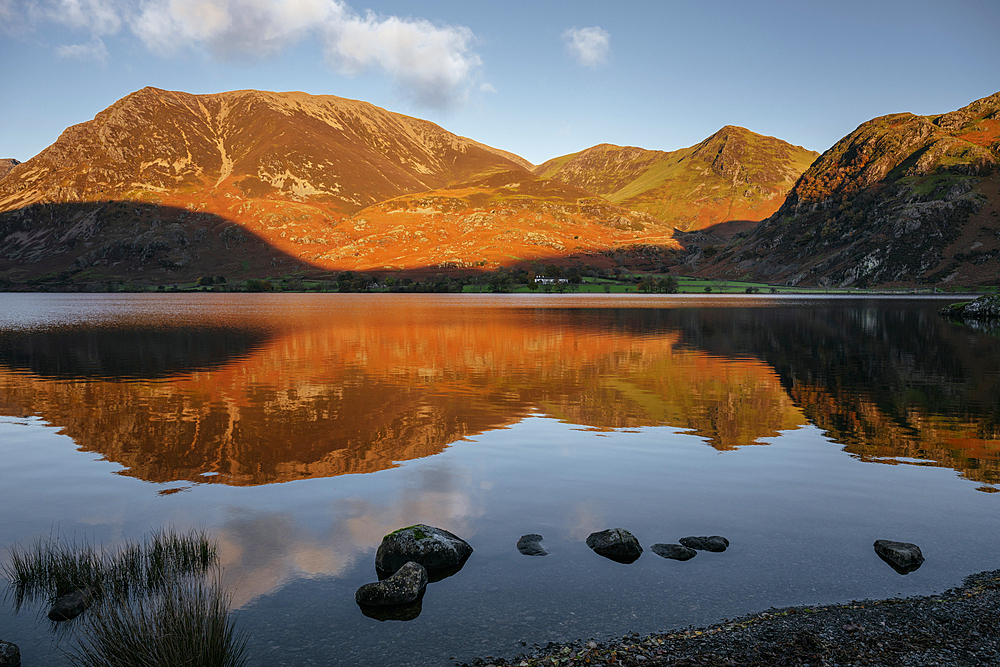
pixel 300 429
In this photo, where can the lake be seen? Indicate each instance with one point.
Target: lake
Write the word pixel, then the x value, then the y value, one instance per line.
pixel 299 429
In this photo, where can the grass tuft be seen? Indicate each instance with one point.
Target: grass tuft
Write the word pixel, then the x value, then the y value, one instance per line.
pixel 186 622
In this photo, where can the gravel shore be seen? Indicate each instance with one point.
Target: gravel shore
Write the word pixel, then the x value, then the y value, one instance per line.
pixel 959 627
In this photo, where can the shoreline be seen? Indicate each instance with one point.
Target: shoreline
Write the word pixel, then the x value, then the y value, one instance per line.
pixel 960 626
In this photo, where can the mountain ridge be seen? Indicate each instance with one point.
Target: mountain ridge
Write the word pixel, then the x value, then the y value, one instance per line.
pixel 734 174
pixel 902 199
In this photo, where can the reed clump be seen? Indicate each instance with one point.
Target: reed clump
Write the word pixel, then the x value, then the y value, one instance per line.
pixel 155 603
pixel 183 623
pixel 52 567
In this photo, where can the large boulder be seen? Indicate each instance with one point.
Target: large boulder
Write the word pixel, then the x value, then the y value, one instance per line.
pixel 10 655
pixel 674 551
pixel 530 545
pixel 440 552
pixel 715 543
pixel 71 605
pixel 903 557
pixel 615 543
pixel 404 587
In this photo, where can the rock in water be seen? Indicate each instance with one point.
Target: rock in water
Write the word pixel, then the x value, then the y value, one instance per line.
pixel 404 587
pixel 903 557
pixel 986 307
pixel 10 655
pixel 529 545
pixel 70 605
pixel 437 550
pixel 615 543
pixel 715 543
pixel 674 551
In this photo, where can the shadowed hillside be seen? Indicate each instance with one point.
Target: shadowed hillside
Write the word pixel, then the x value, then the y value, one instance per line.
pixel 903 199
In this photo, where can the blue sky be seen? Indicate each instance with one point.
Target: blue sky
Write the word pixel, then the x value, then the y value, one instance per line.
pixel 540 79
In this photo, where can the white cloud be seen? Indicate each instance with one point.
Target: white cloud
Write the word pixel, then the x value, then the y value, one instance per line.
pixel 432 64
pixel 99 17
pixel 590 46
pixel 93 50
pixel 487 88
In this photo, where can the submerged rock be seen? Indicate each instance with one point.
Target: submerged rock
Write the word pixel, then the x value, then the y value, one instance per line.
pixel 403 587
pixel 715 543
pixel 903 557
pixel 615 543
pixel 71 605
pixel 529 545
pixel 674 551
pixel 440 552
pixel 10 655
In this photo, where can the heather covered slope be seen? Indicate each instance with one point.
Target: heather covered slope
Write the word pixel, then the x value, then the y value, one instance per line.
pixel 903 199
pixel 733 175
pixel 499 219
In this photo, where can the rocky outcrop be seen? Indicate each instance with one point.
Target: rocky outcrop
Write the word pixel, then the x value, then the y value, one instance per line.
pixel 71 605
pixel 615 543
pixel 986 307
pixel 530 545
pixel 715 543
pixel 403 587
pixel 903 557
pixel 674 551
pixel 888 203
pixel 441 552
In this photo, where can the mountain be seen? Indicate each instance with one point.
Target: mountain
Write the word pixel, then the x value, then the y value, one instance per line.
pixel 6 165
pixel 734 175
pixel 165 186
pixel 341 153
pixel 904 199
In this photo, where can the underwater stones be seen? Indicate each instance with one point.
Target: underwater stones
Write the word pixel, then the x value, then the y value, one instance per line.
pixel 903 557
pixel 403 587
pixel 440 552
pixel 715 543
pixel 615 543
pixel 10 655
pixel 674 551
pixel 529 545
pixel 71 605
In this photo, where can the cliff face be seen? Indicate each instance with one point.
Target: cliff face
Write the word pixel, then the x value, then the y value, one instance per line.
pixel 903 199
pixel 734 175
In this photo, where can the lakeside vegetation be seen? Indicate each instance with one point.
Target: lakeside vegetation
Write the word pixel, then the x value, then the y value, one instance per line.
pixel 545 279
pixel 159 602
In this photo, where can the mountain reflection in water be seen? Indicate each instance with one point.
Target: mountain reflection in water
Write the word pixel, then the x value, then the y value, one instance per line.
pixel 290 387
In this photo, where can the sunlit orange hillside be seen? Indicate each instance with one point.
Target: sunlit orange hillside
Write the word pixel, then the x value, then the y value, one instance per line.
pixel 735 175
pixel 164 186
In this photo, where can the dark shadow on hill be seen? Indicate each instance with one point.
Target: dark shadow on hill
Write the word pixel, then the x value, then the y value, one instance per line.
pixel 91 246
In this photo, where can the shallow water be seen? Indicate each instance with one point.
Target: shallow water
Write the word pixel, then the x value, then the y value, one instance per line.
pixel 300 429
